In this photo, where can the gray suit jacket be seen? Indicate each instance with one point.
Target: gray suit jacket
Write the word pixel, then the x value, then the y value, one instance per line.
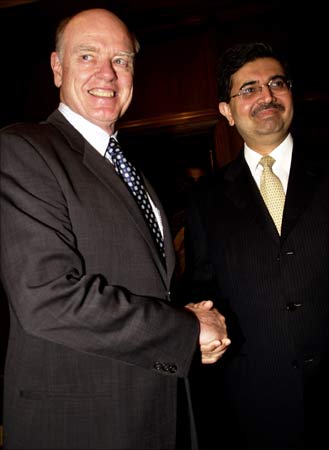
pixel 95 348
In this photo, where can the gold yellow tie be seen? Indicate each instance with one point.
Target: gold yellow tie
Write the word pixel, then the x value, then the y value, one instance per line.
pixel 272 191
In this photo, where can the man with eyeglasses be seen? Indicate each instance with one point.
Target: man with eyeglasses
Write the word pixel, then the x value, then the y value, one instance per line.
pixel 269 280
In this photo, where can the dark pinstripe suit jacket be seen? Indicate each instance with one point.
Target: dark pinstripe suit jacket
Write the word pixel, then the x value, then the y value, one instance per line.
pixel 95 347
pixel 274 291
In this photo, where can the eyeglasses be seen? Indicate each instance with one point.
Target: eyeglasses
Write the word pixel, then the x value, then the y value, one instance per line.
pixel 277 85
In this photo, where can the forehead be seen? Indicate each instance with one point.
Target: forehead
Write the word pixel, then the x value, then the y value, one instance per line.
pixel 103 31
pixel 261 70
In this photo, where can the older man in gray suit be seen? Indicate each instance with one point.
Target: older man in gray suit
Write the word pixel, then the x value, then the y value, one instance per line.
pixel 96 349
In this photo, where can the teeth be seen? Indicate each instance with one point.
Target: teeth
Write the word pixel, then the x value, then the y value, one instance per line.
pixel 101 93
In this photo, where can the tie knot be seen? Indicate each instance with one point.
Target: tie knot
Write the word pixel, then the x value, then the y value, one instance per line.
pixel 267 161
pixel 113 147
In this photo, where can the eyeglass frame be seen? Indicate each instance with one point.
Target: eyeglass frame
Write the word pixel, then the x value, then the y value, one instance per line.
pixel 261 86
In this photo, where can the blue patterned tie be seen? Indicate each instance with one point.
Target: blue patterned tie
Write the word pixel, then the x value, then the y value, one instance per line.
pixel 135 184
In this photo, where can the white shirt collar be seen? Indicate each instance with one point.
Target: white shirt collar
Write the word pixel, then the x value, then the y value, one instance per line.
pixel 98 139
pixel 96 136
pixel 282 155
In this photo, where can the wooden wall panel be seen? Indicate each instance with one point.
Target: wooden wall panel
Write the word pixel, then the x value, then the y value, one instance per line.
pixel 174 74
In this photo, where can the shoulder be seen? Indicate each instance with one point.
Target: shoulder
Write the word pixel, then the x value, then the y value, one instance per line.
pixel 32 144
pixel 49 137
pixel 313 159
pixel 30 131
pixel 20 129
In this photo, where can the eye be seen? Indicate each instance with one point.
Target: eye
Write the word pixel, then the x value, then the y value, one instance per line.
pixel 121 61
pixel 86 57
pixel 124 62
pixel 249 90
pixel 278 83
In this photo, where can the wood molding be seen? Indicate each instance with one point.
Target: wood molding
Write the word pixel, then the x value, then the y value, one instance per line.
pixel 177 124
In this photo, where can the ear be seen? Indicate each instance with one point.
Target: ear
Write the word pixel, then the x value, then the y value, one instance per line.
pixel 57 69
pixel 225 110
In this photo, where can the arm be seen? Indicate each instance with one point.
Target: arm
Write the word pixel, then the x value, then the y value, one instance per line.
pixel 200 284
pixel 52 290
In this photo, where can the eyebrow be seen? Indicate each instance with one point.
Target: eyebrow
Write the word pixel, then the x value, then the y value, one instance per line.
pixel 247 83
pixel 88 48
pixel 125 53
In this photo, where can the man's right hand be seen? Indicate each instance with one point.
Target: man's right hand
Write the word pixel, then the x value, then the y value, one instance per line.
pixel 213 337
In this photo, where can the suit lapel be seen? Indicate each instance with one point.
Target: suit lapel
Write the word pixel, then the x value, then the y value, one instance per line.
pixel 105 172
pixel 242 190
pixel 301 186
pixel 170 254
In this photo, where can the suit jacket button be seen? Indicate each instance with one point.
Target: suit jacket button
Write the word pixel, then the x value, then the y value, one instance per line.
pixel 158 366
pixel 308 361
pixel 293 306
pixel 172 368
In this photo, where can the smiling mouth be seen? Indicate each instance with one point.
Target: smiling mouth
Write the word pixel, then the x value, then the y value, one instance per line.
pixel 102 93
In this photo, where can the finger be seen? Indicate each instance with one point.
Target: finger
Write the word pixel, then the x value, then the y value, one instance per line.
pixel 213 355
pixel 206 304
pixel 213 358
pixel 215 344
pixel 190 306
pixel 211 346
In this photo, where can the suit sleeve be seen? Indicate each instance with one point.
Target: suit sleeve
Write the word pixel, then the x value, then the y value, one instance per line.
pixel 49 290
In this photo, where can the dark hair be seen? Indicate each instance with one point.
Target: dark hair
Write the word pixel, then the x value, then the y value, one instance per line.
pixel 237 56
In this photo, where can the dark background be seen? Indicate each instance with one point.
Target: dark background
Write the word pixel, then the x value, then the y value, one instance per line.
pixel 173 121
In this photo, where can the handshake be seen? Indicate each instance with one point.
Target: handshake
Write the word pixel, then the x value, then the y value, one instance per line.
pixel 213 337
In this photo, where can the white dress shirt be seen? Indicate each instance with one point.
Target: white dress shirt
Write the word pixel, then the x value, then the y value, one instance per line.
pixel 282 155
pixel 98 139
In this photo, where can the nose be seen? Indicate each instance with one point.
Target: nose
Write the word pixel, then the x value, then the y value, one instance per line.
pixel 107 71
pixel 267 91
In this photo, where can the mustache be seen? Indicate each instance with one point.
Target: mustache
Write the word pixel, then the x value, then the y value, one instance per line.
pixel 269 105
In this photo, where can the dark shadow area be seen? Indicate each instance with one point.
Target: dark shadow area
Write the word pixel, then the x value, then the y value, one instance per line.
pixel 4 329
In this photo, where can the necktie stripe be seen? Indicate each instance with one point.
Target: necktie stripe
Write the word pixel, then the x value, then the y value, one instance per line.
pixel 130 176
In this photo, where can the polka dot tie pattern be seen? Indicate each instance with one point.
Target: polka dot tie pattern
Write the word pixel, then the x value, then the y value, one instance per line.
pixel 130 176
pixel 272 191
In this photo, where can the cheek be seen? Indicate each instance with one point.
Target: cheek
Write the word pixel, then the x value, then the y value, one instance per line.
pixel 244 112
pixel 289 107
pixel 241 116
pixel 237 113
pixel 289 112
pixel 127 87
pixel 76 75
pixel 76 83
pixel 127 101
